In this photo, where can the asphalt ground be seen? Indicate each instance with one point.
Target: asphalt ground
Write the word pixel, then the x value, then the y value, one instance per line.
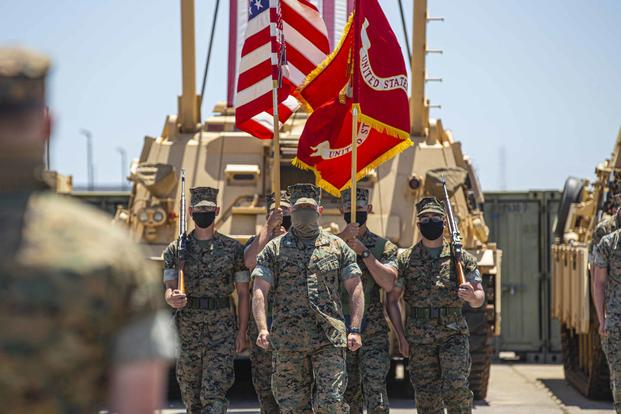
pixel 515 388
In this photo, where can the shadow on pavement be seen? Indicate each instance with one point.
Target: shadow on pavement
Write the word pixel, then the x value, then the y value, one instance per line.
pixel 571 398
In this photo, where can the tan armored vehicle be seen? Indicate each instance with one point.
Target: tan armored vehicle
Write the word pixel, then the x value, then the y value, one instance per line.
pixel 215 154
pixel 583 205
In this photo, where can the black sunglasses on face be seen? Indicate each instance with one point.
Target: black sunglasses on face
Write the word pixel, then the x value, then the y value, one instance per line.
pixel 435 219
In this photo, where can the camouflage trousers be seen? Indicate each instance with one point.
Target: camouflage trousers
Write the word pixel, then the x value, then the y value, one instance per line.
pixel 205 370
pixel 367 369
pixel 261 362
pixel 611 345
pixel 319 376
pixel 439 374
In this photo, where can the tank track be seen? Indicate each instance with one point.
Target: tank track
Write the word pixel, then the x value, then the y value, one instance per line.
pixel 481 325
pixel 594 383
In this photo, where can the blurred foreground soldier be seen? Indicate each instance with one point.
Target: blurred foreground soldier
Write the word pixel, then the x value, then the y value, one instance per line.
pixel 79 310
pixel 607 299
pixel 608 224
pixel 377 257
pixel 304 270
pixel 214 266
pixel 436 335
pixel 278 222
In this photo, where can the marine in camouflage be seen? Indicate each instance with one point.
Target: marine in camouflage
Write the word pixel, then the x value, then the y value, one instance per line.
pixel 308 329
pixel 608 255
pixel 368 367
pixel 439 350
pixel 261 359
pixel 261 364
pixel 78 298
pixel 205 366
pixel 604 227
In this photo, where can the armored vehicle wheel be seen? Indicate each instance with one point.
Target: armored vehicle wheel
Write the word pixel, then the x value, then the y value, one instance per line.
pixel 571 194
pixel 480 323
pixel 584 362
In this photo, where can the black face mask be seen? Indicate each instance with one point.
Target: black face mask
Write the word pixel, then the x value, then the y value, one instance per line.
pixel 432 230
pixel 361 217
pixel 286 222
pixel 204 219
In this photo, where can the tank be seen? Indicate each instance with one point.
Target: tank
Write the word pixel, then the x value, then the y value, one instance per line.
pixel 583 204
pixel 214 153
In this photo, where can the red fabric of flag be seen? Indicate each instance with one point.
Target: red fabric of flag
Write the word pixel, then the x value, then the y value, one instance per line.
pixel 384 116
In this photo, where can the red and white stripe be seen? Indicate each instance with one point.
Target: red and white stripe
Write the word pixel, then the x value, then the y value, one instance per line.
pixel 306 45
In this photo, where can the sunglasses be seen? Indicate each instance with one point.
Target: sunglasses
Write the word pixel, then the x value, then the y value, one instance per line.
pixel 434 219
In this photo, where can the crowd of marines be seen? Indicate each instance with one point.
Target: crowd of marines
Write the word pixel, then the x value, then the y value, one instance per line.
pixel 319 331
pixel 80 300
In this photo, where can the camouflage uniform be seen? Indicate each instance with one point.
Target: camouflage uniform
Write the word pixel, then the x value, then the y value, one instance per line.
pixel 260 359
pixel 78 297
pixel 608 254
pixel 207 324
pixel 368 367
pixel 436 329
pixel 308 329
pixel 604 227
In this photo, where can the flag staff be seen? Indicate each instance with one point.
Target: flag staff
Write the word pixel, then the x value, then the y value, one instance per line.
pixel 277 45
pixel 355 108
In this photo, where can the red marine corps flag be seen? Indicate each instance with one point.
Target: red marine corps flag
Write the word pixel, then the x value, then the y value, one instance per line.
pixel 362 83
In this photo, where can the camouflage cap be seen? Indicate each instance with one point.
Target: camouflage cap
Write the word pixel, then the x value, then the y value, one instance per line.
pixel 203 197
pixel 22 78
pixel 429 205
pixel 284 200
pixel 304 194
pixel 362 198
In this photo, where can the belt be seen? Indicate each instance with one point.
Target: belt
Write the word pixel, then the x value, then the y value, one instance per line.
pixel 433 313
pixel 208 303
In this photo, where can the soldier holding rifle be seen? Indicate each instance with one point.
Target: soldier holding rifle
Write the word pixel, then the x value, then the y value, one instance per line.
pixel 436 335
pixel 212 266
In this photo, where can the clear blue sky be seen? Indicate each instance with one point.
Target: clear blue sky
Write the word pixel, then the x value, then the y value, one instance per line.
pixel 540 78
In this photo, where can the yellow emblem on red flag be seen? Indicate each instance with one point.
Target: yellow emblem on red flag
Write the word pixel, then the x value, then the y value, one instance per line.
pixel 376 82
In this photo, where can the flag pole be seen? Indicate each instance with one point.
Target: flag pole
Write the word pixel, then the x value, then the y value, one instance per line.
pixel 277 43
pixel 276 166
pixel 355 109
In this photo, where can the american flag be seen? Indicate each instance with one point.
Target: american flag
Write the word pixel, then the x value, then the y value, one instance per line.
pixel 285 39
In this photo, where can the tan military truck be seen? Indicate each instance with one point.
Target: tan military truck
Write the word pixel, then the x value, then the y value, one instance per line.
pixel 213 153
pixel 583 204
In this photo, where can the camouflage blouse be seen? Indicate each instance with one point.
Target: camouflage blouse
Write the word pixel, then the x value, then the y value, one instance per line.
pixel 608 255
pixel 305 278
pixel 211 266
pixel 78 297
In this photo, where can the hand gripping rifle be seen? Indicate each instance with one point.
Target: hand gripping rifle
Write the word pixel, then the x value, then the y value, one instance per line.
pixel 456 246
pixel 182 241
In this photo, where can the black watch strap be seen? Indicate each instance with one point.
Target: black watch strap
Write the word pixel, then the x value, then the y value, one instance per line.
pixel 353 330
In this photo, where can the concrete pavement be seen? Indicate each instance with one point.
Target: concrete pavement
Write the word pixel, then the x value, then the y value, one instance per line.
pixel 514 389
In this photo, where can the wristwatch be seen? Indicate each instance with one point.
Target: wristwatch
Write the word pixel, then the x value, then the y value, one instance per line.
pixel 366 254
pixel 353 330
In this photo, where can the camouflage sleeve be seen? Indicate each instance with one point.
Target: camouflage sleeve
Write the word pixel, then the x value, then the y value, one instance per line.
pixel 470 268
pixel 242 275
pixel 389 257
pixel 265 264
pixel 145 332
pixel 349 266
pixel 598 234
pixel 601 252
pixel 170 262
pixel 402 263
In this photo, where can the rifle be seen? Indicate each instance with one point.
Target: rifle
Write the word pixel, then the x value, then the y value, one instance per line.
pixel 456 246
pixel 182 241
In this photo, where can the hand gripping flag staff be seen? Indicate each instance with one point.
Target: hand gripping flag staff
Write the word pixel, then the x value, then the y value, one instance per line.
pixel 359 103
pixel 284 41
